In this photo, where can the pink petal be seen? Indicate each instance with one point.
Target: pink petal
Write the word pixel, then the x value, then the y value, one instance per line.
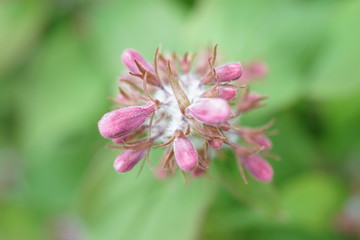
pixel 229 72
pixel 185 153
pixel 216 143
pixel 128 159
pixel 227 93
pixel 210 110
pixel 129 56
pixel 121 122
pixel 263 142
pixel 258 167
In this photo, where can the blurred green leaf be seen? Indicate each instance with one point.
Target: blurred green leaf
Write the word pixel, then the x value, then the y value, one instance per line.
pixel 122 206
pixel 274 31
pixel 21 24
pixel 309 200
pixel 143 25
pixel 296 147
pixel 60 99
pixel 17 216
pixel 260 197
pixel 341 119
pixel 336 71
pixel 56 91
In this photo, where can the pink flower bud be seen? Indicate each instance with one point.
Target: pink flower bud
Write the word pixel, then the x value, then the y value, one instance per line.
pixel 197 172
pixel 254 70
pixel 216 143
pixel 253 97
pixel 226 93
pixel 229 72
pixel 161 173
pixel 257 69
pixel 128 159
pixel 129 56
pixel 185 153
pixel 258 167
pixel 121 122
pixel 262 141
pixel 210 110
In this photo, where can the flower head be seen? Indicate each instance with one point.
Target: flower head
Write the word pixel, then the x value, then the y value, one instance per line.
pixel 188 112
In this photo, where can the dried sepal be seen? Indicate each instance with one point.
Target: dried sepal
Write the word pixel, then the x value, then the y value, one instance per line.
pixel 250 101
pixel 138 144
pixel 242 170
pixel 152 78
pixel 135 87
pixel 211 92
pixel 213 131
pixel 202 67
pixel 130 57
pixel 156 57
pixel 186 62
pixel 259 140
pixel 181 98
pixel 167 158
pixel 211 73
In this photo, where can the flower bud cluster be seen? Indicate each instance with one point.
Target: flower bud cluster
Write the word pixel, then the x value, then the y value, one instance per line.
pixel 190 113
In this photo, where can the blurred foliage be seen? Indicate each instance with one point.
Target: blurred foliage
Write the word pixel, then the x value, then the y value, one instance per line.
pixel 58 64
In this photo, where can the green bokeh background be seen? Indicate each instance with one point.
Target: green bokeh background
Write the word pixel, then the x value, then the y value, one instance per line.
pixel 59 60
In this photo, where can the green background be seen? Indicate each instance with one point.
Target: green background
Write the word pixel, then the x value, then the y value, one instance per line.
pixel 59 60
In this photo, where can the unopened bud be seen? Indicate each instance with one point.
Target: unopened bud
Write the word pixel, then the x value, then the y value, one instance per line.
pixel 253 97
pixel 226 93
pixel 263 141
pixel 121 122
pixel 161 173
pixel 128 159
pixel 210 110
pixel 129 56
pixel 259 168
pixel 216 143
pixel 257 69
pixel 229 72
pixel 198 172
pixel 254 70
pixel 185 154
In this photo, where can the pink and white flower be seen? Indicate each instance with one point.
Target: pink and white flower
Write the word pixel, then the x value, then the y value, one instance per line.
pixel 189 112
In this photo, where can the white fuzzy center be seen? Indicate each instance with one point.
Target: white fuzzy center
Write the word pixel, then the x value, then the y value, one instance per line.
pixel 174 119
